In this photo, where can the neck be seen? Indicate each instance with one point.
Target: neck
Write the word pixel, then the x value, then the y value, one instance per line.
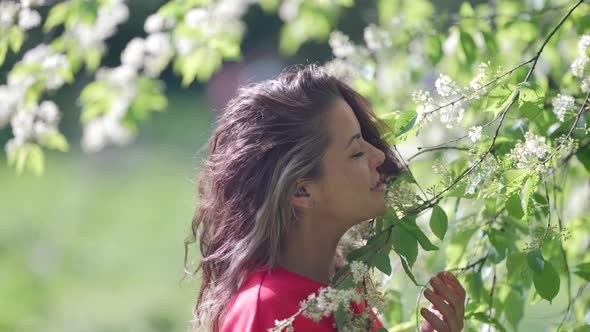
pixel 310 248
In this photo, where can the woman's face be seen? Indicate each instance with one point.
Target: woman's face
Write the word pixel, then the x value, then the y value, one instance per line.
pixel 345 193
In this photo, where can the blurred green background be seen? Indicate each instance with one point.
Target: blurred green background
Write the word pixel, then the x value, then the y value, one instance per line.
pixel 96 243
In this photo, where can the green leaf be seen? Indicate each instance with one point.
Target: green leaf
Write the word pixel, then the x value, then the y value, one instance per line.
pixel 499 98
pixel 468 46
pixel 16 37
pixel 92 59
pixel 55 141
pixel 381 261
pixel 483 317
pixel 405 244
pixel 35 160
pixel 408 271
pixel 269 6
pixel 583 271
pixel 531 101
pixel 514 308
pixel 438 222
pixel 3 51
pixel 530 188
pixel 57 15
pixel 547 282
pixel 433 47
pixel 410 225
pixel 514 206
pixel 474 285
pixel 583 155
pixel 490 42
pixel 393 312
pixel 500 245
pixel 340 316
pixel 535 260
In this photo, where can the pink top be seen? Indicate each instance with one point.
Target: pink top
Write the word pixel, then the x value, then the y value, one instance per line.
pixel 264 297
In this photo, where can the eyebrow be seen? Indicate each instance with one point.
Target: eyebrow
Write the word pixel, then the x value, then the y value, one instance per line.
pixel 355 136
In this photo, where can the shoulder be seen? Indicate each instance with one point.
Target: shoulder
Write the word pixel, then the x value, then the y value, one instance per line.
pixel 261 301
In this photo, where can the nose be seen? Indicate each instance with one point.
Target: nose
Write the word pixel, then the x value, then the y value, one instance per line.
pixel 378 157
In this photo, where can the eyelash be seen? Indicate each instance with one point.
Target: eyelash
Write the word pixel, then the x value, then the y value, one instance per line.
pixel 358 155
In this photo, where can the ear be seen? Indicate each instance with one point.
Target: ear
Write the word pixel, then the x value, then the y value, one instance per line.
pixel 301 198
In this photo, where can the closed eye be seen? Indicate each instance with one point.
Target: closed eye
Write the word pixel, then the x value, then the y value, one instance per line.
pixel 358 155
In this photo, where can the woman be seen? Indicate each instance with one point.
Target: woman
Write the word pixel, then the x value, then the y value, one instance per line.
pixel 294 163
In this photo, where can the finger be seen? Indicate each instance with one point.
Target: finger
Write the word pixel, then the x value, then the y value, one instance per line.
pixel 441 288
pixel 451 280
pixel 448 313
pixel 436 322
pixel 454 282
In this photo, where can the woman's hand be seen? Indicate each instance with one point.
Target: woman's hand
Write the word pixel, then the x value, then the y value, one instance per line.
pixel 448 304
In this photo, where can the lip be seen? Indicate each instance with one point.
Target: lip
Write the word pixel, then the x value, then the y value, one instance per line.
pixel 378 187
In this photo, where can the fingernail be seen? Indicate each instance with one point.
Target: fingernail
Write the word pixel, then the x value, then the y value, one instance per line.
pixel 423 311
pixel 428 292
pixel 436 281
pixel 450 276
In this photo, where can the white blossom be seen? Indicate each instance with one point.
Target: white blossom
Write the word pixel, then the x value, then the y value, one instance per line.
pixel 28 19
pixel 480 79
pixel 196 17
pixel 563 104
pixel 340 44
pixel 586 84
pixel 12 144
pixel 8 12
pixel 31 3
pixel 10 96
pixel 102 131
pixel 327 302
pixel 579 66
pixel 445 86
pixel 358 270
pixel 158 43
pixel 48 112
pixel 22 124
pixel 289 9
pixel 133 53
pixel 583 45
pixel 119 76
pixel 475 133
pixel 184 45
pixel 376 38
pixel 154 23
pixel 527 154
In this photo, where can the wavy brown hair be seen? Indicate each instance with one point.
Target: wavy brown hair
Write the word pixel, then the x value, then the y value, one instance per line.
pixel 268 137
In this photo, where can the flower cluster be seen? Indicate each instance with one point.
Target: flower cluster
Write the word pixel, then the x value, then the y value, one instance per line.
pixel 358 270
pixel 563 104
pixel 580 67
pixel 484 176
pixel 402 197
pixel 475 133
pixel 526 155
pixel 40 69
pixel 107 129
pixel 21 13
pixel 449 106
pixel 377 38
pixel 33 123
pixel 483 76
pixel 92 35
pixel 203 25
pixel 327 301
pixel 351 60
